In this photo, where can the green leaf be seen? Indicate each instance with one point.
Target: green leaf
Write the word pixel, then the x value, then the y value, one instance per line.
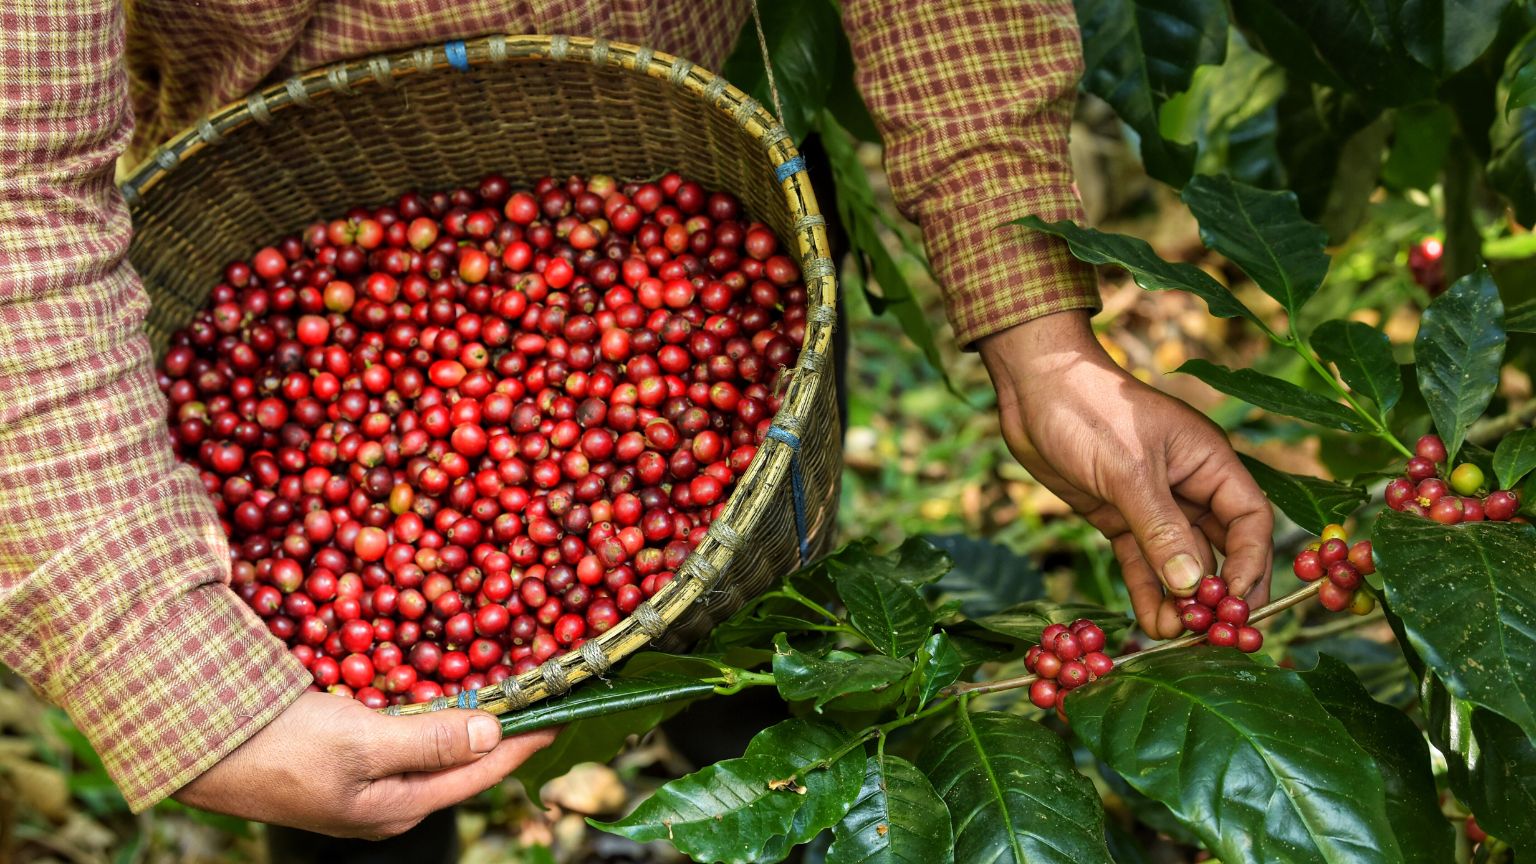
pixel 1310 502
pixel 1026 621
pixel 1466 595
pixel 889 613
pixel 1447 35
pixel 1400 754
pixel 1242 753
pixel 802 38
pixel 1521 317
pixel 1512 161
pixel 1458 352
pixel 861 217
pixel 1515 457
pixel 829 793
pixel 938 665
pixel 1319 133
pixel 731 811
pixel 1138 54
pixel 1136 257
pixel 1013 792
pixel 756 627
pixel 1519 81
pixel 606 696
pixel 897 819
pixel 803 677
pixel 1363 356
pixel 915 562
pixel 1229 113
pixel 1274 394
pixel 1262 232
pixel 1421 138
pixel 1490 763
pixel 986 576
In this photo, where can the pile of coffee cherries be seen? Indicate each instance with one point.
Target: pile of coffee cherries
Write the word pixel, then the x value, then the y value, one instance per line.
pixel 1066 658
pixel 1461 496
pixel 1222 617
pixel 455 436
pixel 1345 567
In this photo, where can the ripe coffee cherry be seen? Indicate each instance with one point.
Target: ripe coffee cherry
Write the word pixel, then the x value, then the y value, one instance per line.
pixel 1332 552
pixel 1361 558
pixel 1249 640
pixel 1430 447
pixel 1043 693
pixel 1344 576
pixel 1400 492
pixel 1098 663
pixel 1308 566
pixel 1501 506
pixel 1066 647
pixel 1431 490
pixel 1233 610
pixel 1197 618
pixel 1047 665
pixel 1420 469
pixel 1333 598
pixel 1073 674
pixel 1211 591
pixel 1222 635
pixel 1446 511
pixel 1467 479
pixel 1089 636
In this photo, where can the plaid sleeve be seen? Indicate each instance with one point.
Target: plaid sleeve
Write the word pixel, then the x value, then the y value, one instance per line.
pixel 974 99
pixel 111 557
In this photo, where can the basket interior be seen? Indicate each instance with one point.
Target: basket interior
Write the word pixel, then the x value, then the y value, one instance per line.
pixel 430 131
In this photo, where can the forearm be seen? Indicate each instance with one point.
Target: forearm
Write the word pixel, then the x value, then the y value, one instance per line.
pixel 110 555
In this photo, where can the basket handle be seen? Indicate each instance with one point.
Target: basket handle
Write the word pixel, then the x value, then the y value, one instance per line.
pixel 762 43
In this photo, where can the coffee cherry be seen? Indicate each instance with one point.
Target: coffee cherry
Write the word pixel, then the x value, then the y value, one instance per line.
pixel 1344 576
pixel 1333 598
pixel 1099 664
pixel 1420 469
pixel 1308 566
pixel 1361 558
pixel 1048 665
pixel 1073 674
pixel 1431 448
pixel 1334 531
pixel 1332 552
pixel 1362 604
pixel 1222 635
pixel 1400 492
pixel 1233 610
pixel 1197 618
pixel 1446 511
pixel 1249 640
pixel 1066 647
pixel 1431 490
pixel 1467 479
pixel 1211 591
pixel 1501 506
pixel 1043 693
pixel 1089 636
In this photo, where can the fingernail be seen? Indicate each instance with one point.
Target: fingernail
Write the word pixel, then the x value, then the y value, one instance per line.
pixel 484 732
pixel 1181 574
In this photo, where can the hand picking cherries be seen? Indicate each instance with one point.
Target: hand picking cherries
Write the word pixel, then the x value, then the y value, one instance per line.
pixel 453 437
pixel 1220 616
pixel 1345 566
pixel 1460 497
pixel 1065 659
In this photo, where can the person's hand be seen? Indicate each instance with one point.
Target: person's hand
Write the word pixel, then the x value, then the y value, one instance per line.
pixel 1158 478
pixel 328 764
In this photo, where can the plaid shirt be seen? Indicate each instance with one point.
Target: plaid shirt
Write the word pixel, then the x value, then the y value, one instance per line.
pixel 112 563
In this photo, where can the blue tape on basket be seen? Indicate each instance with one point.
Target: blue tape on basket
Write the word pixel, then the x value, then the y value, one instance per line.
pixel 796 485
pixel 469 699
pixel 789 168
pixel 458 58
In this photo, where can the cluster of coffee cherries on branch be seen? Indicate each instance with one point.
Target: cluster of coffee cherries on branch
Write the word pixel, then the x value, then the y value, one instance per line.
pixel 453 437
pixel 1223 618
pixel 1066 658
pixel 1462 496
pixel 1344 566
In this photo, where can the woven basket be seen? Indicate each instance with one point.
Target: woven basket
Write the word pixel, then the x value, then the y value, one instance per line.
pixel 524 106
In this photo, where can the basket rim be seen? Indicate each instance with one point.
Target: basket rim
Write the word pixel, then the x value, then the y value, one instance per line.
pixel 777 455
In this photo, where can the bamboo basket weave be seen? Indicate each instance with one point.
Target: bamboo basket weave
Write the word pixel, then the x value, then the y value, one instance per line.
pixel 523 106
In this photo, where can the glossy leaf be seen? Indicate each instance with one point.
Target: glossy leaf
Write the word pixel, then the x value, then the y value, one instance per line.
pixel 1458 352
pixel 1445 36
pixel 1026 621
pixel 1521 317
pixel 897 819
pixel 1274 394
pixel 1014 794
pixel 804 677
pixel 915 562
pixel 1242 753
pixel 1466 595
pixel 1262 232
pixel 938 665
pixel 889 613
pixel 606 696
pixel 1400 754
pixel 1136 257
pixel 1310 502
pixel 986 576
pixel 1512 161
pixel 1357 41
pixel 830 791
pixel 1519 79
pixel 1490 763
pixel 1138 53
pixel 1515 457
pixel 1364 359
pixel 1421 140
pixel 802 38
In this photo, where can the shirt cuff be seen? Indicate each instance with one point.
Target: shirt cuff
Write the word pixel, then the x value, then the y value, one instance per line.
pixel 996 275
pixel 176 682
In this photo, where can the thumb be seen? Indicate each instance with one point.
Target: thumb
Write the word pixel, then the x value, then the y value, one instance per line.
pixel 1166 539
pixel 433 742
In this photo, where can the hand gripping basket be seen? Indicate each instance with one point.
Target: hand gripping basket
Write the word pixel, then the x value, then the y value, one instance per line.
pixel 436 117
